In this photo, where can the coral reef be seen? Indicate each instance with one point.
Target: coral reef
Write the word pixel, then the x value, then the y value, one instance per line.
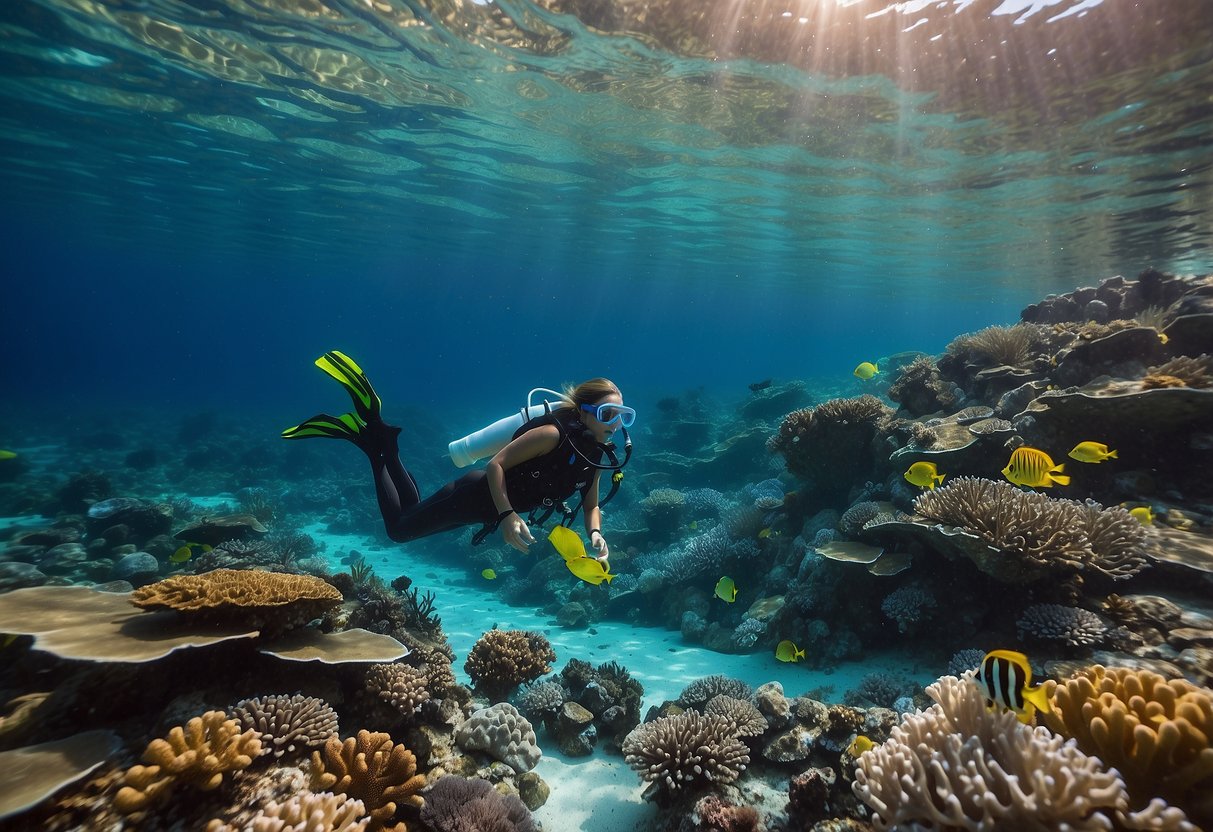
pixel 1030 535
pixel 1156 732
pixel 687 751
pixel 504 734
pixel 1055 622
pixel 400 685
pixel 311 811
pixel 197 755
pixel 373 769
pixel 921 390
pixel 747 721
pixel 456 804
pixel 270 601
pixel 909 606
pixel 287 724
pixel 697 693
pixel 501 660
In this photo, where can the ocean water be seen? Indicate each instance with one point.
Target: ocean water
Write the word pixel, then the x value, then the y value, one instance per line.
pixel 478 197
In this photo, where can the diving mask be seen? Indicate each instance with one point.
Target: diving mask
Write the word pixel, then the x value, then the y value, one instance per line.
pixel 609 413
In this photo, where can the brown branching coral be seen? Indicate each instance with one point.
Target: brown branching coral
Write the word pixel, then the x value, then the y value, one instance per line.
pixel 372 769
pixel 1157 733
pixel 399 685
pixel 997 345
pixel 830 446
pixel 286 724
pixel 310 811
pixel 198 755
pixel 1033 535
pixel 270 601
pixel 961 765
pixel 686 751
pixel 1183 371
pixel 501 660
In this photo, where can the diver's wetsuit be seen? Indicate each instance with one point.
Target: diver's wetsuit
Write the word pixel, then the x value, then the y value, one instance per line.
pixel 554 476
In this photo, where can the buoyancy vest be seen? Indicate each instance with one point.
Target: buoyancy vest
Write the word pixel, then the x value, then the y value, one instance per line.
pixel 562 471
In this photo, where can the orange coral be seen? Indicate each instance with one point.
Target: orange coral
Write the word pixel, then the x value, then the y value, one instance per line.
pixel 372 769
pixel 503 659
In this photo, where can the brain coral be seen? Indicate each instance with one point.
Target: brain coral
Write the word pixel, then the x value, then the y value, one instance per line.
pixel 687 751
pixel 504 734
pixel 501 660
pixel 1156 732
pixel 199 755
pixel 270 601
pixel 372 769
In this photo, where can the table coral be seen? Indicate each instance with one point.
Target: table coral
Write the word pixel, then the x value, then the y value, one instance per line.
pixel 370 768
pixel 198 754
pixel 1155 731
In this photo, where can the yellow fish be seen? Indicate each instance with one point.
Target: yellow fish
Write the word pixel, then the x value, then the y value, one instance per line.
pixel 488 575
pixel 859 745
pixel 786 651
pixel 726 590
pixel 1143 515
pixel 1005 677
pixel 1034 468
pixel 7 454
pixel 567 542
pixel 765 533
pixel 181 555
pixel 866 370
pixel 694 525
pixel 924 475
pixel 589 570
pixel 1091 452
pixel 1162 337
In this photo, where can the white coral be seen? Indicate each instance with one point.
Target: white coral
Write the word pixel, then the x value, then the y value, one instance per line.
pixel 502 733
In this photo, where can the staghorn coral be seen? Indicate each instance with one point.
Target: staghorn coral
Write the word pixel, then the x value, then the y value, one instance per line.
pixel 830 446
pixel 305 812
pixel 287 723
pixel 686 751
pixel 504 734
pixel 1183 371
pixel 747 721
pixel 700 691
pixel 400 685
pixel 1056 622
pixel 457 804
pixel 1156 732
pixel 960 765
pixel 1032 535
pixel 198 755
pixel 270 601
pixel 501 660
pixel 372 769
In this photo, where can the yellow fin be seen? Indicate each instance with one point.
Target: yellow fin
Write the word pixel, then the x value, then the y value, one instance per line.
pixel 1036 696
pixel 567 542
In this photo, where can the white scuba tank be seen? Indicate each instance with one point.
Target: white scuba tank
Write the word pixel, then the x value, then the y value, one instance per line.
pixel 489 440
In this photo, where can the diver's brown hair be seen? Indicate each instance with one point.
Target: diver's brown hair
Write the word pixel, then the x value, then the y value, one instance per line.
pixel 590 391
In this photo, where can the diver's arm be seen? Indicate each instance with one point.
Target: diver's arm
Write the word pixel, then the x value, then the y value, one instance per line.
pixel 593 521
pixel 531 444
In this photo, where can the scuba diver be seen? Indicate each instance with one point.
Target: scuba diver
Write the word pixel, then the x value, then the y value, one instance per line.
pixel 556 451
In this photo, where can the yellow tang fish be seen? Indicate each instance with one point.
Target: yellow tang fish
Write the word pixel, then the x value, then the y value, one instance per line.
pixel 866 370
pixel 1005 677
pixel 488 575
pixel 181 555
pixel 1091 452
pixel 589 570
pixel 1143 515
pixel 859 745
pixel 7 454
pixel 924 475
pixel 1034 468
pixel 786 651
pixel 726 590
pixel 567 542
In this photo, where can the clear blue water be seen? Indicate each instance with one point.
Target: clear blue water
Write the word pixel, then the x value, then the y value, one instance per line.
pixel 474 198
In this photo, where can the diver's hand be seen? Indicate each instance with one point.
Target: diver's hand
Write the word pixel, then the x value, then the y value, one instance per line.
pixel 515 532
pixel 601 550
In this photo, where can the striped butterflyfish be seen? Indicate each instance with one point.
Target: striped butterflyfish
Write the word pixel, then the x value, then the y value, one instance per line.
pixel 1034 468
pixel 1005 677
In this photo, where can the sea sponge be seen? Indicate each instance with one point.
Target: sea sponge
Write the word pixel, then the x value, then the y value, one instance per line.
pixel 961 765
pixel 198 754
pixel 503 733
pixel 399 685
pixel 372 769
pixel 745 718
pixel 1155 731
pixel 305 812
pixel 831 446
pixel 1030 535
pixel 458 804
pixel 501 660
pixel 1056 622
pixel 270 601
pixel 687 751
pixel 285 724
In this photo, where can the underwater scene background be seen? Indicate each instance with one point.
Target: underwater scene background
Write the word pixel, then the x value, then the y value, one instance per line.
pixel 913 302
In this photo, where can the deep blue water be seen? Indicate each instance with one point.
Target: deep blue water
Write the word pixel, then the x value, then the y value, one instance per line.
pixel 199 198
